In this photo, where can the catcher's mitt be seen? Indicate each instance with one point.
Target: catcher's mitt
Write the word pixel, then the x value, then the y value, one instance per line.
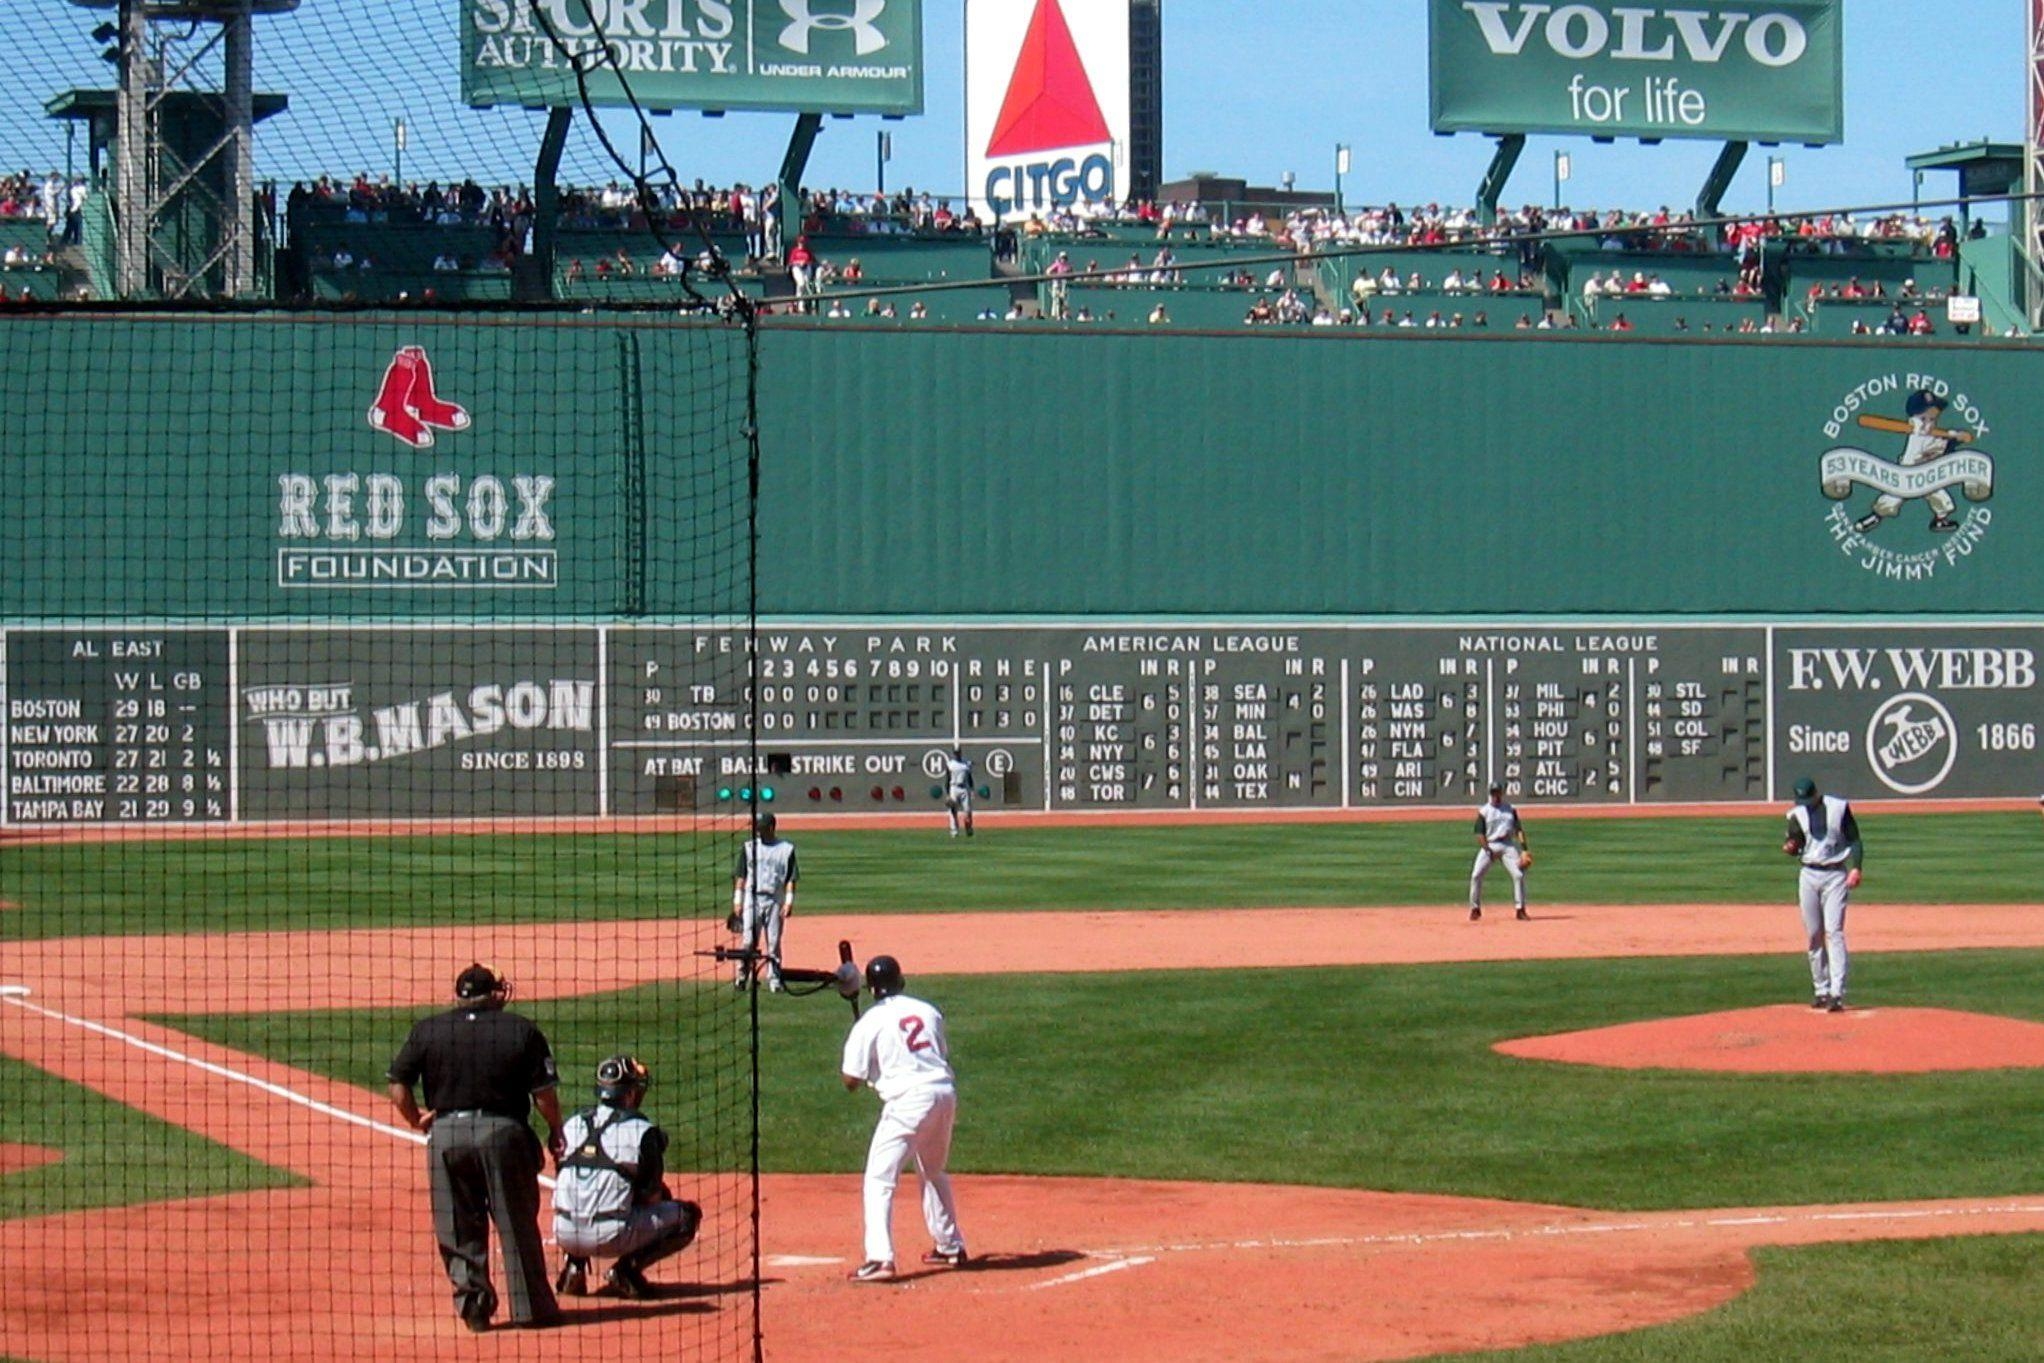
pixel 733 923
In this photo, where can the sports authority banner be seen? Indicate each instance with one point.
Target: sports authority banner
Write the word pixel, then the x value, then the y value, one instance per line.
pixel 810 56
pixel 1046 104
pixel 1768 72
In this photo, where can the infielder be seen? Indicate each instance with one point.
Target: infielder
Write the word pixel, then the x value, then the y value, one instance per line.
pixel 1824 835
pixel 1927 441
pixel 762 899
pixel 898 1047
pixel 958 791
pixel 1499 837
pixel 610 1197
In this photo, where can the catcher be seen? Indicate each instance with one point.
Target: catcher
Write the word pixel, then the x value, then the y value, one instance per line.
pixel 610 1198
pixel 1499 837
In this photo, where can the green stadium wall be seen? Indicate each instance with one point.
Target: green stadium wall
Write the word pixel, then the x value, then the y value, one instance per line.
pixel 986 473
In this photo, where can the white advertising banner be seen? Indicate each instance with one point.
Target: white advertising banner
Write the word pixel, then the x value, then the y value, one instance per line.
pixel 1046 106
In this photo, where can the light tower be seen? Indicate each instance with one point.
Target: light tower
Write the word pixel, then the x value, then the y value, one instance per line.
pixel 184 154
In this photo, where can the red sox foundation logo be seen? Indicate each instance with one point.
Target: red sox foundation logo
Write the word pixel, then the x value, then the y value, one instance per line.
pixel 406 405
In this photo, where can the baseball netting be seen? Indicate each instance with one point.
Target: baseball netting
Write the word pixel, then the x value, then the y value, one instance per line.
pixel 353 598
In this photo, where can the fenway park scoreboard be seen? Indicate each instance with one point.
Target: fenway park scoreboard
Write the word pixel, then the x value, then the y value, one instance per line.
pixel 108 723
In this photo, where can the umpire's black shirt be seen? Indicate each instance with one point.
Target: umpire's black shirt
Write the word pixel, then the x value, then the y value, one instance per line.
pixel 476 1058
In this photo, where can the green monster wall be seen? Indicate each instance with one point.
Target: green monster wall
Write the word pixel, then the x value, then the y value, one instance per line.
pixel 996 473
pixel 152 463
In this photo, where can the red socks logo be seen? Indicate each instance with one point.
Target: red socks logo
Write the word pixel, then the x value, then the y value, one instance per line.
pixel 407 407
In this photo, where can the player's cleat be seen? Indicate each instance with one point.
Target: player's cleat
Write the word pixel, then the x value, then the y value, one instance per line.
pixel 1866 523
pixel 1943 525
pixel 1821 1003
pixel 477 1308
pixel 574 1278
pixel 1523 916
pixel 946 1258
pixel 874 1271
pixel 1475 914
pixel 629 1283
pixel 1836 1005
pixel 968 830
pixel 773 984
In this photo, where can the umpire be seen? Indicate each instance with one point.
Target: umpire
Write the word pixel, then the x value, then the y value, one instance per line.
pixel 483 1069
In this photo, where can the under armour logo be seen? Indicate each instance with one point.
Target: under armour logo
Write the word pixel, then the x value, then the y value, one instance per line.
pixel 868 38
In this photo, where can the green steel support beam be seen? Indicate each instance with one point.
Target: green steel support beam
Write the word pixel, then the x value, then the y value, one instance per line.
pixel 807 126
pixel 1510 147
pixel 534 280
pixel 1720 179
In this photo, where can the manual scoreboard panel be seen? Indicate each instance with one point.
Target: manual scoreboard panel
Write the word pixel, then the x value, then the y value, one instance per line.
pixel 122 724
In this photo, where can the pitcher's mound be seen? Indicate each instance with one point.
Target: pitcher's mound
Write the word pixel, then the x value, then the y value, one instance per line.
pixel 1799 1040
pixel 15 1158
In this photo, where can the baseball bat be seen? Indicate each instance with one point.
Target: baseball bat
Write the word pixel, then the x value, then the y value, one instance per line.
pixel 1900 427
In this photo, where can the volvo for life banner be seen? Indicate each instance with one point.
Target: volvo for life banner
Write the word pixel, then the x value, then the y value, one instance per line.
pixel 798 56
pixel 1770 71
pixel 1046 105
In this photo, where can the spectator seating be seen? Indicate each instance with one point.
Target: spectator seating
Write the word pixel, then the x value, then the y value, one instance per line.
pixel 1673 316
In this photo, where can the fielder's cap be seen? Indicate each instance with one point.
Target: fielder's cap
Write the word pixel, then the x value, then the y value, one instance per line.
pixel 477 982
pixel 1806 789
pixel 764 825
pixel 1497 789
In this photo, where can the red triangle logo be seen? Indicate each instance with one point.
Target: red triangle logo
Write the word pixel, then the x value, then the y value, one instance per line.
pixel 1050 101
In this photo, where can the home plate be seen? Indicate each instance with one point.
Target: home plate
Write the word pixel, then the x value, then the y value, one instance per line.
pixel 798 1261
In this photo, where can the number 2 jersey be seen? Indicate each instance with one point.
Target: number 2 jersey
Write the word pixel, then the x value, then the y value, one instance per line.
pixel 898 1046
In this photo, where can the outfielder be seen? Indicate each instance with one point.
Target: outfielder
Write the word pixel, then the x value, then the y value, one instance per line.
pixel 1499 837
pixel 1927 441
pixel 610 1198
pixel 899 1048
pixel 1823 834
pixel 762 899
pixel 958 791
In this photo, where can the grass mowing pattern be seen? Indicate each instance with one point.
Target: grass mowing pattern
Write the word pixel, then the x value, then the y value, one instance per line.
pixel 1361 1078
pixel 1895 1302
pixel 114 1156
pixel 278 884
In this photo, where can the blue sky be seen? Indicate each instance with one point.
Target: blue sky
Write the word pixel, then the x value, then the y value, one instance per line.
pixel 1254 90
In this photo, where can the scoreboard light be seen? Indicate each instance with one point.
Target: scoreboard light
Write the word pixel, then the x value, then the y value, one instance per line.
pixel 936 792
pixel 879 794
pixel 745 795
pixel 723 792
pixel 837 792
pixel 766 794
pixel 816 792
pixel 900 794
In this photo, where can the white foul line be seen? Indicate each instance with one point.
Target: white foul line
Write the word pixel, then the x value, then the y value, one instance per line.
pixel 1593 1228
pixel 1095 1272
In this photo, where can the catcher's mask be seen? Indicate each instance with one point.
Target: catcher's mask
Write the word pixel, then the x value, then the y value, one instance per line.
pixel 621 1074
pixel 883 976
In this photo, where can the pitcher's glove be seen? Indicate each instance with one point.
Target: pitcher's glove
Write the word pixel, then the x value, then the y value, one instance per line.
pixel 1525 861
pixel 733 923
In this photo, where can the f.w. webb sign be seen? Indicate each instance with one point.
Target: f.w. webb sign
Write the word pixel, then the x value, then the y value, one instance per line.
pixel 1770 71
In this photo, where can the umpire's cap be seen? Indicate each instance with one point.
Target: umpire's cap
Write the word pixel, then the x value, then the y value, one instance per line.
pixel 1921 401
pixel 477 982
pixel 621 1074
pixel 883 976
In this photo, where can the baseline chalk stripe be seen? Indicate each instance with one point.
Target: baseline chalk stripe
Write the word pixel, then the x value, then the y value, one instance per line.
pixel 1101 1270
pixel 13 991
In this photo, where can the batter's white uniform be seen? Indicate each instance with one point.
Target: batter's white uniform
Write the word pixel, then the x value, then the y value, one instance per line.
pixel 1830 840
pixel 958 793
pixel 1497 823
pixel 899 1049
pixel 1924 444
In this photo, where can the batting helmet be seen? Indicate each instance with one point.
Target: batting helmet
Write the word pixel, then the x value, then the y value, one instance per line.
pixel 1923 400
pixel 620 1074
pixel 883 976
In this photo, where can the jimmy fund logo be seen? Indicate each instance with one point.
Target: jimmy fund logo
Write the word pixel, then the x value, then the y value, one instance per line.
pixel 1896 508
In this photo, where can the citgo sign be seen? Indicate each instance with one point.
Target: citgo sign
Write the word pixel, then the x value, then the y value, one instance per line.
pixel 1046 104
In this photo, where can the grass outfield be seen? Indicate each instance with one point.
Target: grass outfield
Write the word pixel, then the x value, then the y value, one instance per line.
pixel 114 1156
pixel 1364 1078
pixel 1976 1299
pixel 283 883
